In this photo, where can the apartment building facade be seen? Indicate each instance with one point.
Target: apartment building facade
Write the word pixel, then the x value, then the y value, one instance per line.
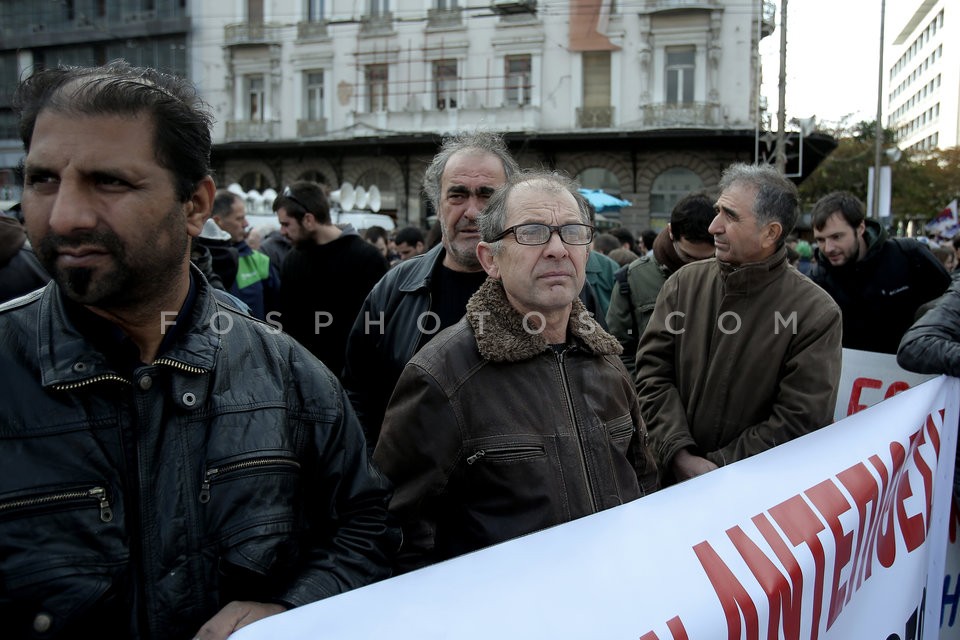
pixel 922 83
pixel 647 99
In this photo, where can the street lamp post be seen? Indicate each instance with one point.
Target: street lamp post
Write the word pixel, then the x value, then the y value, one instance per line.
pixel 878 142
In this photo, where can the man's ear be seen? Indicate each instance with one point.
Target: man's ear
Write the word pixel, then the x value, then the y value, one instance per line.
pixel 488 260
pixel 200 205
pixel 771 234
pixel 670 232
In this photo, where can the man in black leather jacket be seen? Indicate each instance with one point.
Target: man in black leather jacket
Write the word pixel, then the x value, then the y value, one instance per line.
pixel 173 468
pixel 419 297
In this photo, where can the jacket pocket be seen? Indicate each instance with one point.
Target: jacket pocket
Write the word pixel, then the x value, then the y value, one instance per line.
pixel 506 453
pixel 60 553
pixel 250 506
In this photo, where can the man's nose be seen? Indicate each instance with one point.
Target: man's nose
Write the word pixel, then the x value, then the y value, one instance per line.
pixel 555 246
pixel 716 226
pixel 71 209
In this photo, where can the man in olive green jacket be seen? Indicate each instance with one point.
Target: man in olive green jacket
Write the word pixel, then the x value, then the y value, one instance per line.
pixel 742 352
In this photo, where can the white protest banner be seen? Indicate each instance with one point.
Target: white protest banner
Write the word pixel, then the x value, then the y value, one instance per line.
pixel 838 535
pixel 868 378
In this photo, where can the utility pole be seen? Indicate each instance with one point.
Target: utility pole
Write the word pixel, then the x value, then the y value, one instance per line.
pixel 782 110
pixel 878 142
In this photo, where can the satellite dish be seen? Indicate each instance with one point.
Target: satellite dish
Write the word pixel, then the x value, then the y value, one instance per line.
pixel 361 198
pixel 373 199
pixel 344 196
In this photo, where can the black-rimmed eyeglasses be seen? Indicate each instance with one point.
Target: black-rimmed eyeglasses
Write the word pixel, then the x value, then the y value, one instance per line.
pixel 288 194
pixel 536 233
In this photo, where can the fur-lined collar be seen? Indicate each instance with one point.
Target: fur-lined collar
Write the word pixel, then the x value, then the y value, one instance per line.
pixel 500 335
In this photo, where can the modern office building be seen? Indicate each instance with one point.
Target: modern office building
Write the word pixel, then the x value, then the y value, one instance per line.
pixel 922 83
pixel 647 99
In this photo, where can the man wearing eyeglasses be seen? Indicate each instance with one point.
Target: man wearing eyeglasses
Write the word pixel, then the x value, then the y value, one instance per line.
pixel 521 416
pixel 742 352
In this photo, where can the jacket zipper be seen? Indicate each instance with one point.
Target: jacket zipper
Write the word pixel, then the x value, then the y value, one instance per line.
pixel 71 386
pixel 95 493
pixel 176 364
pixel 576 426
pixel 213 473
pixel 519 451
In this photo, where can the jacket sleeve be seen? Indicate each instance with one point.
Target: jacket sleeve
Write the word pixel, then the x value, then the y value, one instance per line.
pixel 352 540
pixel 418 449
pixel 807 391
pixel 620 321
pixel 363 367
pixel 660 404
pixel 932 344
pixel 929 275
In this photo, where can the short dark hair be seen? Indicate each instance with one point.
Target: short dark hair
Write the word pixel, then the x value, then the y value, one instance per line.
pixel 408 235
pixel 181 120
pixel 375 232
pixel 305 197
pixel 956 241
pixel 624 235
pixel 605 243
pixel 648 237
pixel 849 206
pixel 691 217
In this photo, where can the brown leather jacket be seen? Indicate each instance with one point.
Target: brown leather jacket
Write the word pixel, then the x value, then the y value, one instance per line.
pixel 491 433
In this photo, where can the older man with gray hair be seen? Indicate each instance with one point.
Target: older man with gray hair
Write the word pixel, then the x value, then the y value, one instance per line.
pixel 419 297
pixel 742 352
pixel 520 416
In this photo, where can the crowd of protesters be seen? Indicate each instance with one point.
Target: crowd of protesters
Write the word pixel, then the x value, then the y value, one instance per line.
pixel 204 427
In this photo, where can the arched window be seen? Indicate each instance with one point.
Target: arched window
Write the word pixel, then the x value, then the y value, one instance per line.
pixel 666 191
pixel 254 180
pixel 599 178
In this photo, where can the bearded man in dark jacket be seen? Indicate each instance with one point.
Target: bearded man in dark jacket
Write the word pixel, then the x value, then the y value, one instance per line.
pixel 172 468
pixel 878 282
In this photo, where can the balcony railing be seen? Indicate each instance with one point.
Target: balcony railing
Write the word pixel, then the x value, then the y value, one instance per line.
pixel 687 114
pixel 594 117
pixel 445 17
pixel 308 30
pixel 374 24
pixel 252 33
pixel 677 5
pixel 311 128
pixel 239 130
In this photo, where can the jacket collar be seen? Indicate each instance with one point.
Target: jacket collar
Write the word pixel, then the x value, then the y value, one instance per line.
pixel 67 357
pixel 500 335
pixel 415 273
pixel 748 278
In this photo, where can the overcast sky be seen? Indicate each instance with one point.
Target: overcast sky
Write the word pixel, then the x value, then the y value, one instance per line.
pixel 833 52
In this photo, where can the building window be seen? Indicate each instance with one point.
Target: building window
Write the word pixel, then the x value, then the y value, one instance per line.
pixel 669 187
pixel 518 80
pixel 378 7
pixel 313 91
pixel 377 87
pixel 596 79
pixel 679 74
pixel 445 83
pixel 255 99
pixel 316 10
pixel 446 5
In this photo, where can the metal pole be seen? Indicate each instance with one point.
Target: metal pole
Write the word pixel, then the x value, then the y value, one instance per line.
pixel 878 143
pixel 782 110
pixel 756 130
